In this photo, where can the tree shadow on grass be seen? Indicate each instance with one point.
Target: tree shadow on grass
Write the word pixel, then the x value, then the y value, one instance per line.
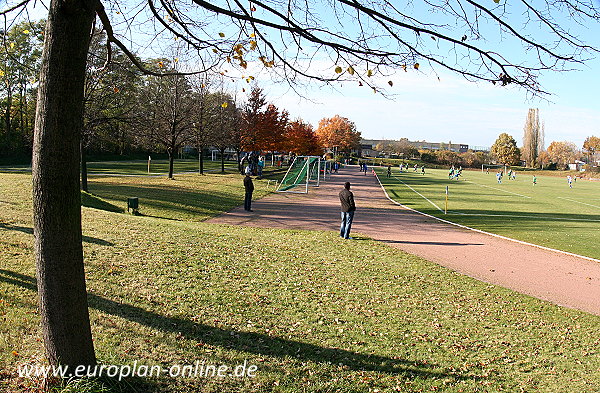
pixel 179 200
pixel 87 239
pixel 252 342
pixel 95 202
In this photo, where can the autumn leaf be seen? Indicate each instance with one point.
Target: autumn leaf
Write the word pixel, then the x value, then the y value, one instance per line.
pixel 116 90
pixel 221 35
pixel 497 1
pixel 15 353
pixel 253 45
pixel 338 70
pixel 224 105
pixel 370 73
pixel 26 31
pixel 252 35
pixel 416 66
pixel 161 64
pixel 351 70
pixel 390 83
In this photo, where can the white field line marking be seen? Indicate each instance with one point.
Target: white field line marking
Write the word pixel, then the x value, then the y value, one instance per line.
pixel 521 216
pixel 583 203
pixel 499 189
pixel 416 192
pixel 484 232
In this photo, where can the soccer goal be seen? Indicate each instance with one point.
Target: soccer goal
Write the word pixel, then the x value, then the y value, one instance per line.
pixel 305 171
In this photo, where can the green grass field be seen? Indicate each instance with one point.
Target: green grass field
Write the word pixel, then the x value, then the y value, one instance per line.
pixel 549 214
pixel 313 313
pixel 157 167
pixel 140 167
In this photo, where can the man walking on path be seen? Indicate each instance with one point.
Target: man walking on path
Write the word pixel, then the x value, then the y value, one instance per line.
pixel 348 208
pixel 249 188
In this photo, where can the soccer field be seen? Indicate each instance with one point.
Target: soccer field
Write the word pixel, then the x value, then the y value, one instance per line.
pixel 549 213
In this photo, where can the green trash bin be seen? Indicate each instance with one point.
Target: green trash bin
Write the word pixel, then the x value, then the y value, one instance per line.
pixel 133 204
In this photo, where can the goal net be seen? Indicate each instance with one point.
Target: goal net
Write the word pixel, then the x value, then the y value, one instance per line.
pixel 305 171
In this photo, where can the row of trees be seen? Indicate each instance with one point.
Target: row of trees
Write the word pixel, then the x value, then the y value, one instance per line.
pixel 127 112
pixel 559 153
pixel 533 154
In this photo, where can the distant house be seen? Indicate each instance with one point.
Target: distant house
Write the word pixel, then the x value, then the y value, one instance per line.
pixel 576 166
pixel 368 146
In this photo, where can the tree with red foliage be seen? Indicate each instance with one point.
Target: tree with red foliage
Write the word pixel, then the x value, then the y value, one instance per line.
pixel 301 139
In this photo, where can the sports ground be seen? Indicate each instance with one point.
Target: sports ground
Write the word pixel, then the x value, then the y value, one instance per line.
pixel 560 278
pixel 313 312
pixel 548 213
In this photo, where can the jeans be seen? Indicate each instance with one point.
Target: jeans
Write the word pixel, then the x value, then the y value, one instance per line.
pixel 346 224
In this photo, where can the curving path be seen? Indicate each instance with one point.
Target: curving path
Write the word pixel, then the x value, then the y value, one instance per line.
pixel 565 280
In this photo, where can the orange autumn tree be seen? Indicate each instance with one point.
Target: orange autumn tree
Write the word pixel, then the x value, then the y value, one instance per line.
pixel 338 133
pixel 301 139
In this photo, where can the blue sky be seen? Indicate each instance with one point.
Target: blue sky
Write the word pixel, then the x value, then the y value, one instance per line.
pixel 456 110
pixel 452 109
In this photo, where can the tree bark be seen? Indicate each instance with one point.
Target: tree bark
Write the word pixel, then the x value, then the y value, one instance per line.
pixel 171 160
pixel 222 160
pixel 201 159
pixel 56 197
pixel 84 183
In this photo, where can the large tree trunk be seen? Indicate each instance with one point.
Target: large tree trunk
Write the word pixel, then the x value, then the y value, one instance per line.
pixel 201 159
pixel 56 197
pixel 171 160
pixel 84 183
pixel 222 160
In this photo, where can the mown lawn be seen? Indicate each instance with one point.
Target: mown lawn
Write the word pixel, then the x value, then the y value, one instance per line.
pixel 313 313
pixel 549 213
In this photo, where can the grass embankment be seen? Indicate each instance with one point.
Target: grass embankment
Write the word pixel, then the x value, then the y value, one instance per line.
pixel 549 214
pixel 312 312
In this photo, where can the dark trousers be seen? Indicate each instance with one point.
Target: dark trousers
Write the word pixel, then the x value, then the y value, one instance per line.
pixel 248 201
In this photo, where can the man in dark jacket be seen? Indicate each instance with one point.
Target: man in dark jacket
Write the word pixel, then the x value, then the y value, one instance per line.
pixel 249 188
pixel 348 208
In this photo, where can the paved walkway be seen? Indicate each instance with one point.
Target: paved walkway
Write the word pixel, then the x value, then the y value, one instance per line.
pixel 562 279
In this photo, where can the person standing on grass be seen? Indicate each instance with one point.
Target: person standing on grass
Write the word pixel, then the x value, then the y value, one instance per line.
pixel 570 181
pixel 249 188
pixel 348 208
pixel 534 180
pixel 389 171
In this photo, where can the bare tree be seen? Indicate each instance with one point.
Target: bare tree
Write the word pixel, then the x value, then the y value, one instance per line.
pixel 168 118
pixel 532 136
pixel 294 41
pixel 201 131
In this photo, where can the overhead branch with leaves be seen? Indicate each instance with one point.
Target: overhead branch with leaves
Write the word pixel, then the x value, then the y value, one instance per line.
pixel 505 43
